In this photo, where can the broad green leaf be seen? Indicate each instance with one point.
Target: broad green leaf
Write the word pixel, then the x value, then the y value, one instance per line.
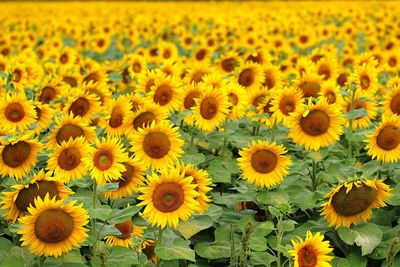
pixel 123 215
pixel 214 211
pixel 108 187
pixel 178 249
pixel 340 262
pixel 394 199
pixel 258 243
pixel 263 229
pixel 261 258
pixel 366 236
pixel 13 261
pixel 193 158
pixel 121 256
pixel 274 198
pixel 102 213
pixel 355 259
pixel 5 246
pixel 194 225
pixel 213 250
pixel 217 172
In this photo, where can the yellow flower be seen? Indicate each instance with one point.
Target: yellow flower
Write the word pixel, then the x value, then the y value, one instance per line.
pixel 16 113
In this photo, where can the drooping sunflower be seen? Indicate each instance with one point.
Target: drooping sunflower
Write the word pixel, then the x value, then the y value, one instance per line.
pixel 316 125
pixel 203 182
pixel 52 227
pixel 147 247
pixel 384 142
pixel 361 102
pixel 237 97
pixel 128 231
pixel 105 160
pixel 129 180
pixel 264 164
pixel 16 203
pixel 166 93
pixel 69 127
pixel 391 102
pixel 211 109
pixel 115 123
pixel 351 202
pixel 82 105
pixel 145 116
pixel 284 103
pixel 18 156
pixel 168 198
pixel 312 252
pixel 16 113
pixel 158 145
pixel 66 161
pixel 251 76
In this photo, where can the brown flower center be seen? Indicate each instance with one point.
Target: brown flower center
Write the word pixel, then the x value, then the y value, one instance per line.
pixel 228 64
pixel 246 77
pixel 48 94
pixel 38 113
pixel 70 80
pixel 388 138
pixel 116 118
pixel 14 155
pixel 269 80
pixel 28 194
pixel 53 226
pixel 69 131
pixel 357 200
pixel 197 76
pixel 209 108
pixel 395 104
pixel 156 144
pixel 287 105
pixel 325 71
pixel 143 119
pixel 310 88
pixel 163 94
pixel 126 229
pixel 148 85
pixel 14 112
pixel 64 58
pixel 189 99
pixel 94 76
pixel 79 107
pixel 103 159
pixel 136 67
pixel 201 54
pixel 69 158
pixel 331 97
pixel 365 82
pixel 17 75
pixel 96 93
pixel 233 98
pixel 315 123
pixel 126 176
pixel 168 197
pixel 342 79
pixel 307 257
pixel 264 161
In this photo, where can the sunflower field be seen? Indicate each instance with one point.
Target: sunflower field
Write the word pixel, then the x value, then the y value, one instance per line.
pixel 195 134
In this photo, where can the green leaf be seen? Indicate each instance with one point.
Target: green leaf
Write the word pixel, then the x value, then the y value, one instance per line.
pixel 263 229
pixel 108 187
pixel 102 213
pixel 288 225
pixel 194 225
pixel 355 259
pixel 213 250
pixel 274 198
pixel 214 211
pixel 13 261
pixel 178 249
pixel 366 236
pixel 115 77
pixel 121 256
pixel 258 243
pixel 341 262
pixel 5 246
pixel 261 258
pixel 394 199
pixel 217 172
pixel 193 158
pixel 123 215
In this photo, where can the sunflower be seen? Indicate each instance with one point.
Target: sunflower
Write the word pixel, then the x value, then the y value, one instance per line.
pixel 192 92
pixel 391 102
pixel 365 77
pixel 309 83
pixel 16 203
pixel 211 109
pixel 284 103
pixel 316 125
pixel 99 90
pixel 331 92
pixel 351 202
pixel 53 227
pixel 115 122
pixel 105 160
pixel 128 231
pixel 166 93
pixel 327 68
pixel 144 116
pixel 147 247
pixel 361 102
pixel 264 164
pixel 66 58
pixel 147 79
pixel 251 76
pixel 18 156
pixel 203 182
pixel 82 105
pixel 168 198
pixel 157 145
pixel 273 77
pixel 129 180
pixel 16 113
pixel 136 101
pixel 66 161
pixel 384 142
pixel 227 63
pixel 137 65
pixel 237 97
pixel 44 116
pixel 50 90
pixel 312 252
pixel 198 72
pixel 70 127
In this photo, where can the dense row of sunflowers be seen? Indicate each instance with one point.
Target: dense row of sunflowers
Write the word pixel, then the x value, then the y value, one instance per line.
pixel 118 120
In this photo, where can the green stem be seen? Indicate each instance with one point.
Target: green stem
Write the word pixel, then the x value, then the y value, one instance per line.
pixel 225 138
pixel 273 132
pixel 159 243
pixel 94 247
pixel 350 152
pixel 258 129
pixel 191 148
pixel 279 241
pixel 314 179
pixel 41 261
